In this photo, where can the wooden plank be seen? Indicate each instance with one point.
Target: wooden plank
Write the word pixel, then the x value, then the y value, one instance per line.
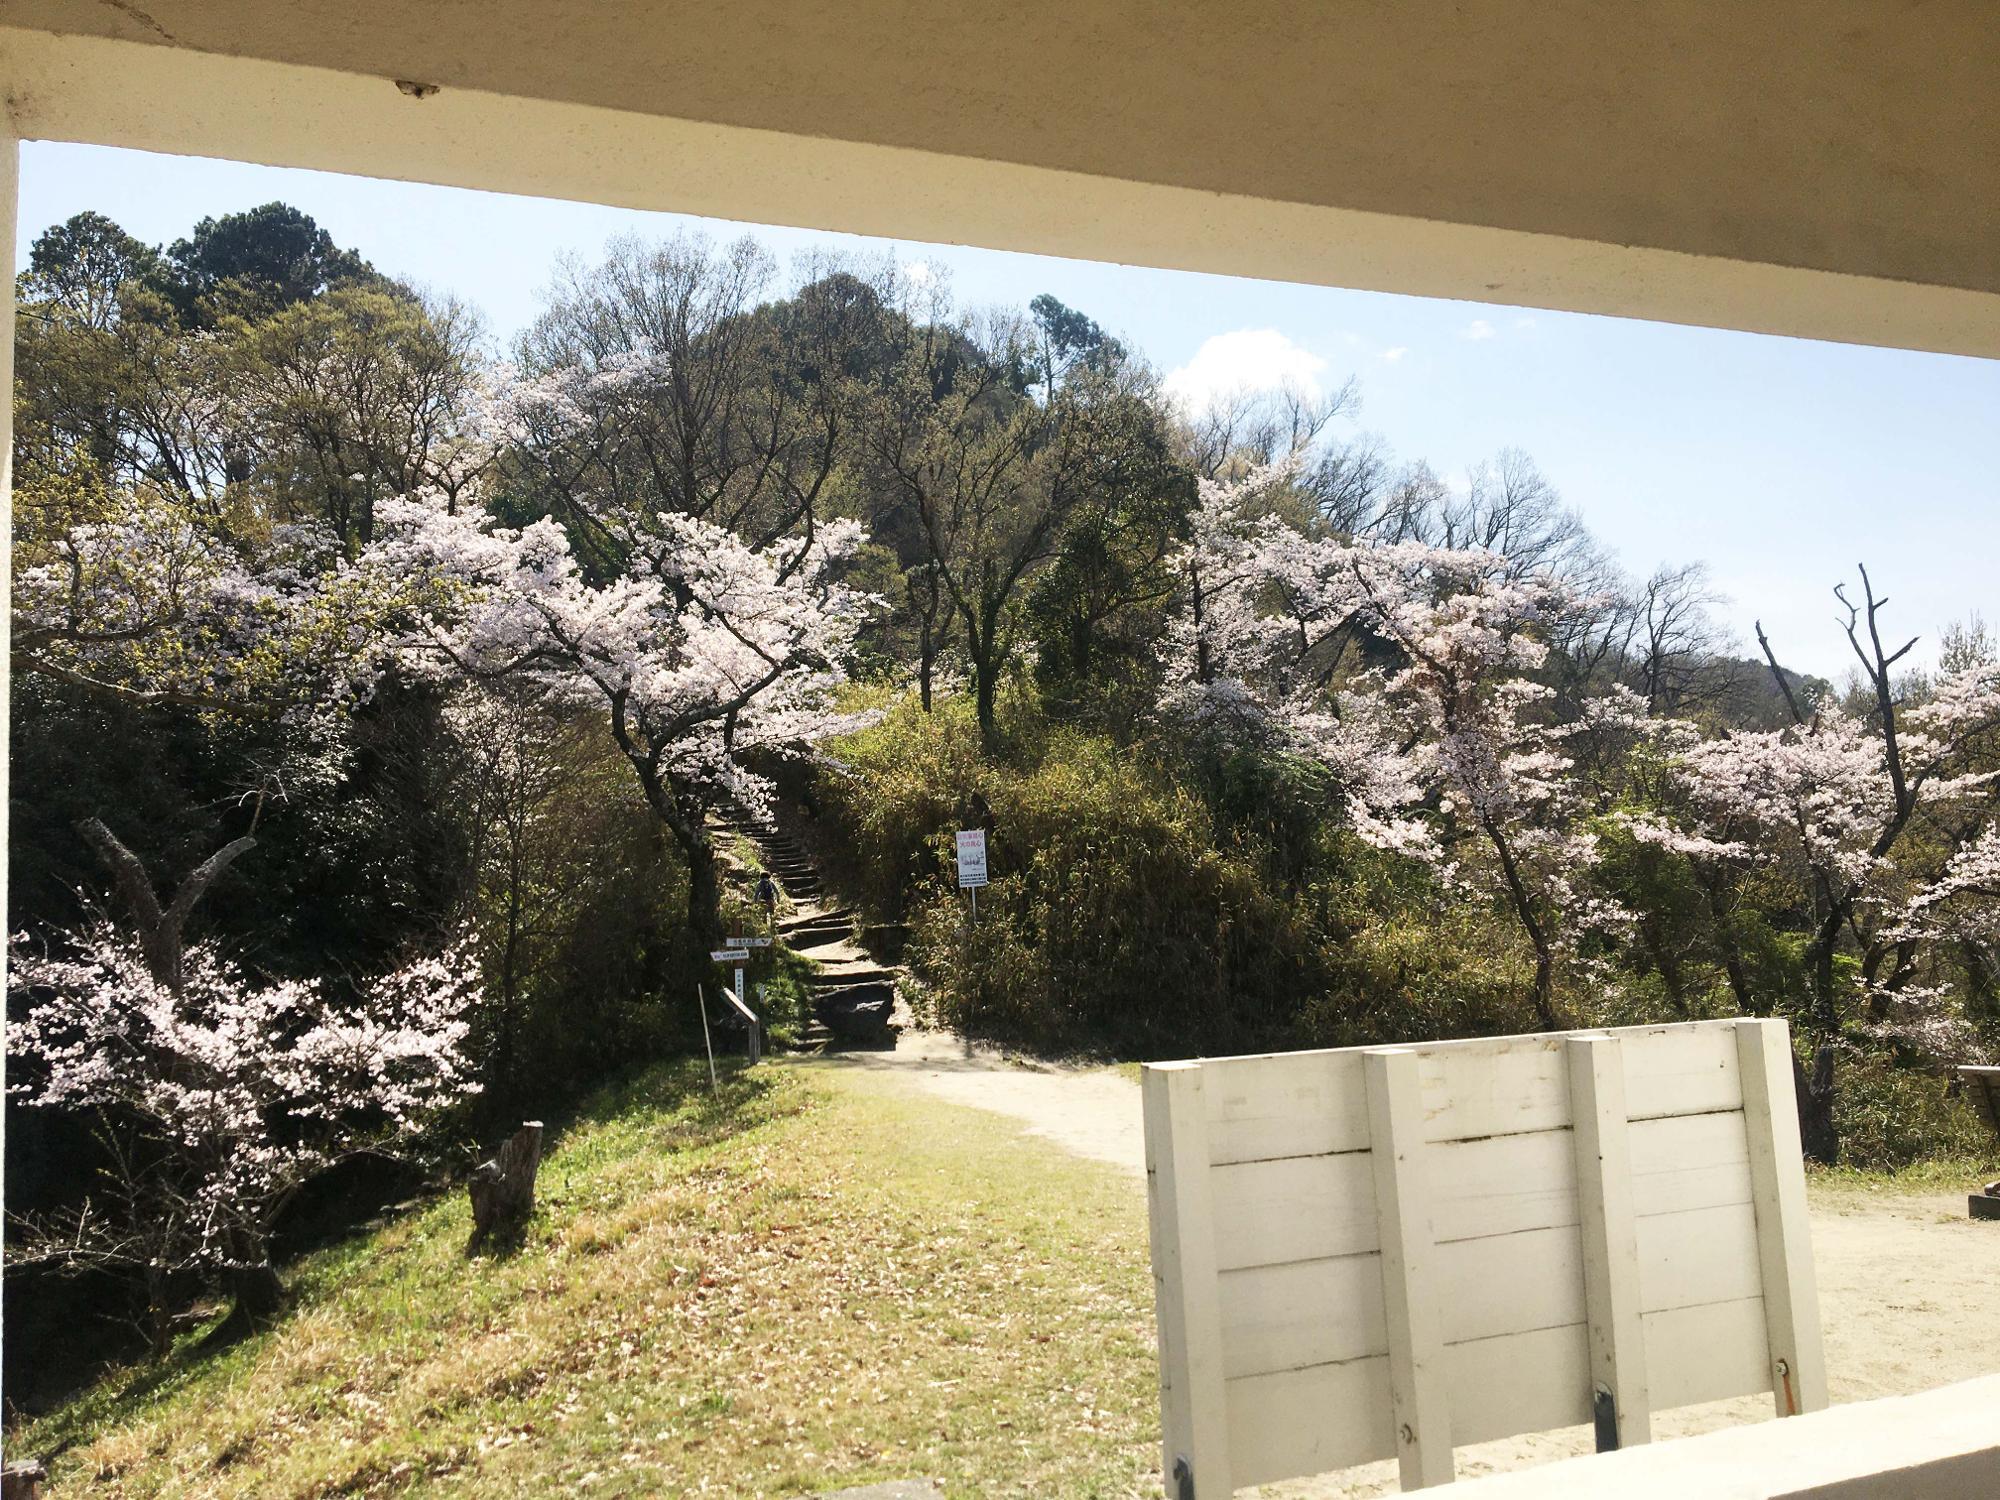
pixel 1706 1353
pixel 1311 1312
pixel 1285 1104
pixel 1521 1382
pixel 1690 1068
pixel 1493 1086
pixel 1409 1291
pixel 1689 1161
pixel 1702 1255
pixel 1309 1421
pixel 1273 1105
pixel 1193 1400
pixel 1510 1283
pixel 1500 1185
pixel 1784 1235
pixel 1607 1234
pixel 1320 1312
pixel 1293 1208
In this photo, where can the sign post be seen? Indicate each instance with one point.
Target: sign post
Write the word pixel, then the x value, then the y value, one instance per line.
pixel 972 864
pixel 707 1046
pixel 738 953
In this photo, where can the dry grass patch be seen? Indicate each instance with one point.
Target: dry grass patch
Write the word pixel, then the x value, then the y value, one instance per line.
pixel 816 1280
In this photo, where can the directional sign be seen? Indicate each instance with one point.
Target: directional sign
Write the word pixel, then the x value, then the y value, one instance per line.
pixel 751 942
pixel 730 955
pixel 971 857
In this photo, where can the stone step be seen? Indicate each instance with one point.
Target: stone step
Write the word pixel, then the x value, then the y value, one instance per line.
pixel 855 977
pixel 833 921
pixel 863 1015
pixel 835 916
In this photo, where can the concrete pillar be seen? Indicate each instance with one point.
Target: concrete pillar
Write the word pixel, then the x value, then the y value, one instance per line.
pixel 10 184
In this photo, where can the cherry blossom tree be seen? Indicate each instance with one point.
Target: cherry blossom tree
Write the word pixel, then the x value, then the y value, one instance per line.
pixel 220 1096
pixel 135 596
pixel 703 655
pixel 1960 909
pixel 1853 804
pixel 1408 670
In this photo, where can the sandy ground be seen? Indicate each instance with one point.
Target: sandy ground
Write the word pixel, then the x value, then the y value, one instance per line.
pixel 1909 1287
pixel 1093 1112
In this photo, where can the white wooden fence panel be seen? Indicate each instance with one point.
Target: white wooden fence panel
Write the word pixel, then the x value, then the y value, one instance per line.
pixel 1706 1353
pixel 1607 1232
pixel 1510 1283
pixel 1311 1312
pixel 1791 1298
pixel 1409 1261
pixel 1500 1185
pixel 1688 1161
pixel 1309 1421
pixel 1293 1208
pixel 1497 1086
pixel 1352 1243
pixel 1286 1104
pixel 1703 1255
pixel 1194 1427
pixel 1522 1382
pixel 1679 1070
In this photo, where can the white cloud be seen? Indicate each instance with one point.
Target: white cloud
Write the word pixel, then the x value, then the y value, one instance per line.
pixel 1524 322
pixel 918 272
pixel 1478 328
pixel 1250 359
pixel 1395 353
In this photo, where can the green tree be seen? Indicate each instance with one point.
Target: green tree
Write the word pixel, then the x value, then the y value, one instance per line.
pixel 256 262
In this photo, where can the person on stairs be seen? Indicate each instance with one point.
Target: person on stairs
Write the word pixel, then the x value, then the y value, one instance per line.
pixel 767 896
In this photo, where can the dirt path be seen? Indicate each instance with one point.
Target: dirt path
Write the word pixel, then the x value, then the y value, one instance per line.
pixel 1909 1288
pixel 1093 1112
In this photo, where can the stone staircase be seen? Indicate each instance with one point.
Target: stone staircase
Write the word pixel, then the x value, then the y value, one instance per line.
pixel 854 995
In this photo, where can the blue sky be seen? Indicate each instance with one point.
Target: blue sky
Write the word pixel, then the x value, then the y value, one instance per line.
pixel 1779 462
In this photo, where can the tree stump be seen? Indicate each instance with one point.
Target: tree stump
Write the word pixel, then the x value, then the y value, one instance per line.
pixel 22 1481
pixel 503 1189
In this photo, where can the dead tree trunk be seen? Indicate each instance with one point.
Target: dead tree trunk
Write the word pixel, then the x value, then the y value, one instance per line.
pixel 503 1189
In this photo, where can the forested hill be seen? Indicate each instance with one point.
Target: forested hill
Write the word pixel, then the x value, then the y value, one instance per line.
pixel 374 682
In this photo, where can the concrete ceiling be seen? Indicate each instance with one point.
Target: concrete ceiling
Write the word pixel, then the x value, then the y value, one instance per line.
pixel 1705 160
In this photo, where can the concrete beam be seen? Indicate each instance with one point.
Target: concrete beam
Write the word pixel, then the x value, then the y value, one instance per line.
pixel 166 97
pixel 1938 1445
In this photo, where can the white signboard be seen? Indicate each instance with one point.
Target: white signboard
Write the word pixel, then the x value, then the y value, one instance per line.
pixel 971 858
pixel 748 942
pixel 729 955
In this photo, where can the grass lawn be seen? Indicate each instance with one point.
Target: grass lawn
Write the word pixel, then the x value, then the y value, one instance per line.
pixel 814 1281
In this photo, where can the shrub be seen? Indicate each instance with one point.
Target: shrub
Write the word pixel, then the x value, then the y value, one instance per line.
pixel 1890 1117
